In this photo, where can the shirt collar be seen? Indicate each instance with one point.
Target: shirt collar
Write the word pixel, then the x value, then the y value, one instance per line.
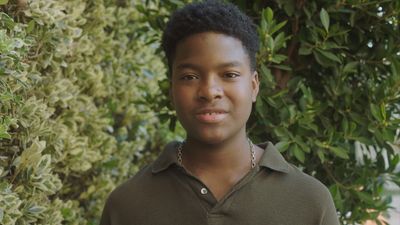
pixel 271 158
pixel 166 158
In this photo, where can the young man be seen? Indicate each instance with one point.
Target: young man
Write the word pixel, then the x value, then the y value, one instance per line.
pixel 217 176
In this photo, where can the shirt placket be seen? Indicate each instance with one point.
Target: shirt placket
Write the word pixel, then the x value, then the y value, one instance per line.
pixel 202 192
pixel 215 210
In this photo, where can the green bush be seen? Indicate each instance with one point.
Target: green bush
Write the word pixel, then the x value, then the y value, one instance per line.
pixel 330 94
pixel 80 104
pixel 332 84
pixel 75 77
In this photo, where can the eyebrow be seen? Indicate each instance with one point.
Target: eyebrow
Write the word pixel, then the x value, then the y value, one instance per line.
pixel 196 67
pixel 187 66
pixel 230 64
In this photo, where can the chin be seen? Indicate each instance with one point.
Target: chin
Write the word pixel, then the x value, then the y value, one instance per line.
pixel 209 138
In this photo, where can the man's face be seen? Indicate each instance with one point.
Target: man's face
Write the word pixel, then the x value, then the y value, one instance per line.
pixel 212 87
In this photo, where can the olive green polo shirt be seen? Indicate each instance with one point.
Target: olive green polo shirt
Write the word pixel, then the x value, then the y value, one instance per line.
pixel 273 193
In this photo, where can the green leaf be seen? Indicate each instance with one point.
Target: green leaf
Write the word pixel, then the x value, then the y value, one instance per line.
pixel 350 67
pixel 321 156
pixel 5 136
pixel 360 119
pixel 333 45
pixel 376 112
pixel 345 125
pixel 267 75
pixel 337 197
pixel 298 153
pixel 3 132
pixel 264 27
pixel 36 209
pixel 7 20
pixel 340 152
pixel 281 132
pixel 277 27
pixel 329 55
pixel 177 2
pixel 66 212
pixel 111 163
pixel 282 67
pixel 365 197
pixel 324 16
pixel 3 2
pixel 31 26
pixel 305 50
pixel 289 8
pixel 322 60
pixel 282 146
pixel 279 41
pixel 364 140
pixel 268 14
pixel 383 111
pixel 270 43
pixel 141 9
pixel 278 58
pixel 302 145
pixel 388 135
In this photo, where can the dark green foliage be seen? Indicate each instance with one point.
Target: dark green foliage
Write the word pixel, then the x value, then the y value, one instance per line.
pixel 80 105
pixel 330 94
pixel 331 87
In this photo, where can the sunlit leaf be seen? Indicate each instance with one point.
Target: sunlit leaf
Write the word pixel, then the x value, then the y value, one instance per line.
pixel 324 16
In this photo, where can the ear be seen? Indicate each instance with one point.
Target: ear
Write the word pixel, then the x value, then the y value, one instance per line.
pixel 255 84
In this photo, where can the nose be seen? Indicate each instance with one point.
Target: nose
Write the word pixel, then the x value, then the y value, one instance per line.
pixel 210 89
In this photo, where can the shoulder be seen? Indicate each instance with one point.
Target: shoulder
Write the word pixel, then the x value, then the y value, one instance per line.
pixel 130 186
pixel 313 195
pixel 303 195
pixel 289 179
pixel 311 188
pixel 126 200
pixel 150 178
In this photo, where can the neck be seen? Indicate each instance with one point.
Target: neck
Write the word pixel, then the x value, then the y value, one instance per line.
pixel 228 155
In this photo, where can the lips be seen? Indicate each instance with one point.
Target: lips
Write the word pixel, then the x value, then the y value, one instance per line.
pixel 211 115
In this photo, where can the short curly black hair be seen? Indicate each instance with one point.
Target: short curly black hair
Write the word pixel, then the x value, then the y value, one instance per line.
pixel 214 16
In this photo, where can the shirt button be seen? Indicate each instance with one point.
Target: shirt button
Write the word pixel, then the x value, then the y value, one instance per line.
pixel 203 191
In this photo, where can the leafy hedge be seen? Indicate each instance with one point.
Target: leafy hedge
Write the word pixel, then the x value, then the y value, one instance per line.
pixel 74 122
pixel 81 107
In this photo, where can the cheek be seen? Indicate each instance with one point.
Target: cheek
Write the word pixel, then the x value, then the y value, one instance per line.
pixel 181 98
pixel 243 99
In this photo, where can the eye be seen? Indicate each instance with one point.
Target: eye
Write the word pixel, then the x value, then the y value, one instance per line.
pixel 188 77
pixel 231 75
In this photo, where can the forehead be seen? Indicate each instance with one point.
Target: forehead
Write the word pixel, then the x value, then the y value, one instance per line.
pixel 210 49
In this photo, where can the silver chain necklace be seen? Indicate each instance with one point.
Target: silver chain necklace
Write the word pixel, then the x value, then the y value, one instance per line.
pixel 252 152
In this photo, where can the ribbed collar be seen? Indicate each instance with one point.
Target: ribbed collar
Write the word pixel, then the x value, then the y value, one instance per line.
pixel 271 158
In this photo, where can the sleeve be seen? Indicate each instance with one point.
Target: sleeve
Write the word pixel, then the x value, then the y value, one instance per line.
pixel 329 215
